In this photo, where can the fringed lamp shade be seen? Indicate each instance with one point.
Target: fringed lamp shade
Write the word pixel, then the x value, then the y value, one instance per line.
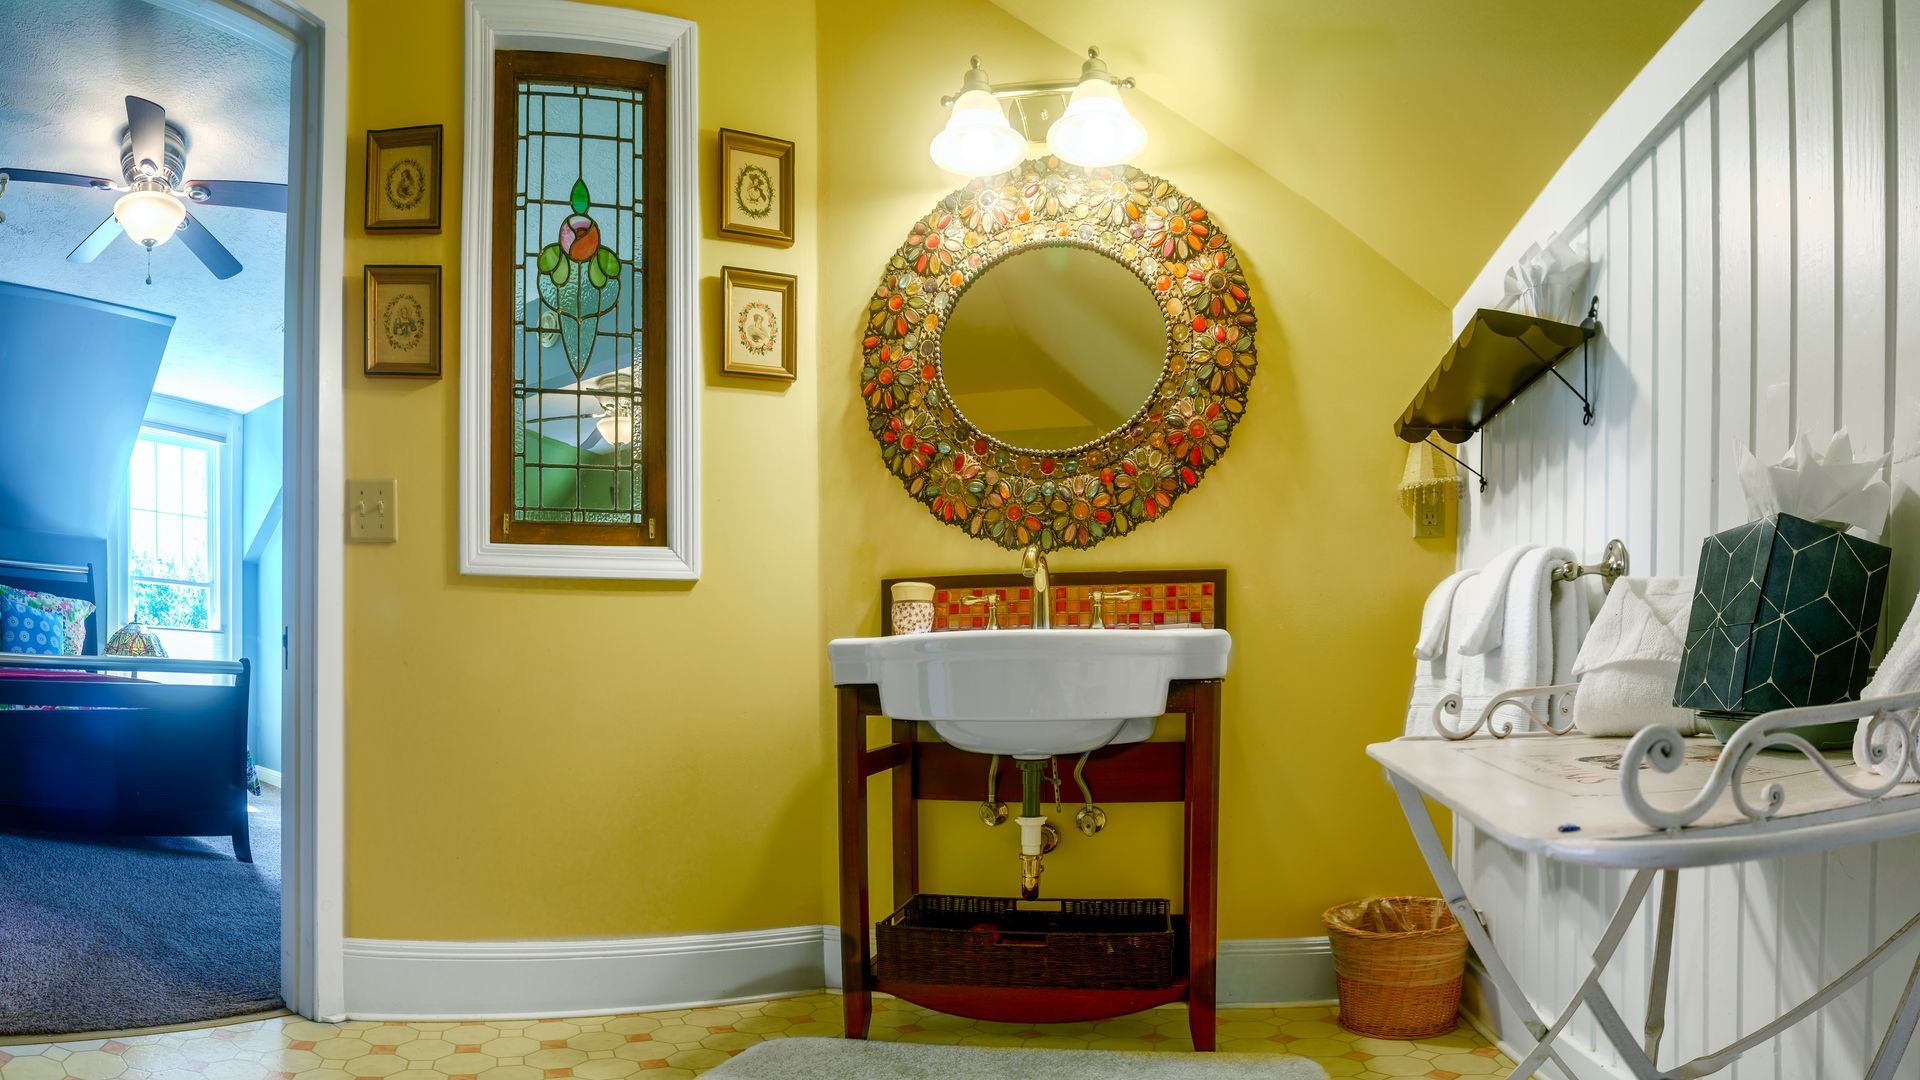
pixel 135 640
pixel 1429 476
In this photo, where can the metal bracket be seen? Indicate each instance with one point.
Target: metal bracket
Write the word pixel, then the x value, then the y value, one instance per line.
pixel 1456 460
pixel 1589 327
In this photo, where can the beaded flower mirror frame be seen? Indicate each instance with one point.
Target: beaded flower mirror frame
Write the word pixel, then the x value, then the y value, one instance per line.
pixel 1074 498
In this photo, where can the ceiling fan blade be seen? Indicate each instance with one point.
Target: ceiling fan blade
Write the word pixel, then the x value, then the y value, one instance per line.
pixel 147 128
pixel 210 251
pixel 40 176
pixel 248 193
pixel 96 241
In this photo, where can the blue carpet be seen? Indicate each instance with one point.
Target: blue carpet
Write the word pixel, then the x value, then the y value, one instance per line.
pixel 110 932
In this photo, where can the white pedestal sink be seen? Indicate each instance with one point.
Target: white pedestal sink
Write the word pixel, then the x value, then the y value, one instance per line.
pixel 1031 693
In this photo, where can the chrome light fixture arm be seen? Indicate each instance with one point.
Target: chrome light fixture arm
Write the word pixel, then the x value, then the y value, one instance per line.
pixel 1892 731
pixel 976 79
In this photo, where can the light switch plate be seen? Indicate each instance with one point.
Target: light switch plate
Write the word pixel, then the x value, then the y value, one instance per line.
pixel 373 516
pixel 1429 519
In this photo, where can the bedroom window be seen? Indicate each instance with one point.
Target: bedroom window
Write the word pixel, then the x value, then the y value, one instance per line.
pixel 173 535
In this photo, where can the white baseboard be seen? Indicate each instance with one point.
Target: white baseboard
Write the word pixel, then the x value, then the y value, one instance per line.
pixel 270 777
pixel 479 980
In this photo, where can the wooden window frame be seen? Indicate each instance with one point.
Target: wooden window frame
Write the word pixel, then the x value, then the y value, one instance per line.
pixel 511 68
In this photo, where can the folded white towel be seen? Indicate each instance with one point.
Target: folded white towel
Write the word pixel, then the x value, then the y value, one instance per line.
pixel 1899 673
pixel 1520 653
pixel 1432 675
pixel 1434 616
pixel 1551 615
pixel 1630 660
pixel 1487 623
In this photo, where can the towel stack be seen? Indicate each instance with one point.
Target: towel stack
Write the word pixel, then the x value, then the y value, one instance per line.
pixel 1485 632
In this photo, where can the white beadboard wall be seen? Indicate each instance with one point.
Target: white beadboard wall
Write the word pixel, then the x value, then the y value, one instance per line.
pixel 1758 268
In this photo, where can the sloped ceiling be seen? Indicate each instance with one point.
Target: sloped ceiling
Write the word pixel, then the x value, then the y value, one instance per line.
pixel 1426 127
pixel 66 67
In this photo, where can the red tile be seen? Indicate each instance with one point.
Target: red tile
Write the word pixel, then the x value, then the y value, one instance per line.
pixel 5 1057
pixel 549 1044
pixel 721 1030
pixel 909 1028
pixel 1357 1055
pixel 559 1072
pixel 299 1044
pixel 383 1049
pixel 639 1038
pixel 112 1047
pixel 474 1048
pixel 1154 1037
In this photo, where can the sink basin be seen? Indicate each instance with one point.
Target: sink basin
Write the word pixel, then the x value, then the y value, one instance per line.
pixel 1031 693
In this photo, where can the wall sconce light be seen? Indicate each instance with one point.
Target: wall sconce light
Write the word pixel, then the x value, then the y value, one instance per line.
pixel 1083 121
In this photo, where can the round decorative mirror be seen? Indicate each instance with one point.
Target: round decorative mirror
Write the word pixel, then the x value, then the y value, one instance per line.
pixel 1053 347
pixel 1055 355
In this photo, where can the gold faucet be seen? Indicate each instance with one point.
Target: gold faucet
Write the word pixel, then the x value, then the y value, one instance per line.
pixel 1033 564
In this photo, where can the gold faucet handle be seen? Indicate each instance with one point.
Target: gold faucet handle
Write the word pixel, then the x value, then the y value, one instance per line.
pixel 992 600
pixel 1101 595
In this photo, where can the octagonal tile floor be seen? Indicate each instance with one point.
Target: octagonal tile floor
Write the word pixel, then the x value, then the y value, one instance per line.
pixel 685 1043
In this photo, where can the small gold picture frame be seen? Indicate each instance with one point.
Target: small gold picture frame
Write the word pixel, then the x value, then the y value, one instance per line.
pixel 756 188
pixel 403 180
pixel 403 321
pixel 757 336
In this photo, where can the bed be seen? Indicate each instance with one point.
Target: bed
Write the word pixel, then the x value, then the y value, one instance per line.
pixel 95 744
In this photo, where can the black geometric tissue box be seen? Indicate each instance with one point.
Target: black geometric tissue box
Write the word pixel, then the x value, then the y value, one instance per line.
pixel 1784 615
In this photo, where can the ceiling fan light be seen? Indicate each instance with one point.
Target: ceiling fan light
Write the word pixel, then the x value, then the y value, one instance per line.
pixel 150 217
pixel 978 140
pixel 1096 130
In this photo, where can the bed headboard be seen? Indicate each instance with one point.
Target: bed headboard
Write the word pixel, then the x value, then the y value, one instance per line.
pixel 73 566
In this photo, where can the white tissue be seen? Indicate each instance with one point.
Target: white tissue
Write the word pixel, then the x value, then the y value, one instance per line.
pixel 1833 488
pixel 1550 281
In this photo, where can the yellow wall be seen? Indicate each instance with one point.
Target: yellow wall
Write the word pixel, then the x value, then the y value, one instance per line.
pixel 537 758
pixel 1324 583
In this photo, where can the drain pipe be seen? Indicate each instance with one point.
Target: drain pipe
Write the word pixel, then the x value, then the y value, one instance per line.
pixel 1033 828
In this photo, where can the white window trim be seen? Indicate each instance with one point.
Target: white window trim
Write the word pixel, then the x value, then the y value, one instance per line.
pixel 216 425
pixel 592 29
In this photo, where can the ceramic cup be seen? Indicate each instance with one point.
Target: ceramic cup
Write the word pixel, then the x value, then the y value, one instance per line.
pixel 912 607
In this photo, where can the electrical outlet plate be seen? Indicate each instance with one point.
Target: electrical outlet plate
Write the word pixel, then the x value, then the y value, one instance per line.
pixel 1429 519
pixel 372 513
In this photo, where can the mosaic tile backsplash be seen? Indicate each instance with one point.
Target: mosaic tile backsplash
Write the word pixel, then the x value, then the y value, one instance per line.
pixel 1186 603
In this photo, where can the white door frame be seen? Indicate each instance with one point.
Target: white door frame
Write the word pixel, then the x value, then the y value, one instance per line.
pixel 312 924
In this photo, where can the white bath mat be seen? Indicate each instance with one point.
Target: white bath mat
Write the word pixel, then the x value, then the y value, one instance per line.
pixel 858 1059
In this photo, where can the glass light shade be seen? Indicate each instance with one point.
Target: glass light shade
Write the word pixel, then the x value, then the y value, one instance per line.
pixel 150 217
pixel 616 420
pixel 977 140
pixel 1096 130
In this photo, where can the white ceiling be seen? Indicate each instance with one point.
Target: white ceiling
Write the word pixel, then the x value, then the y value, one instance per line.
pixel 68 67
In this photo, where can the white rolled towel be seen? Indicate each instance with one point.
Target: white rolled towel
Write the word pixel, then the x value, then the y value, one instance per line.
pixel 1630 660
pixel 1899 673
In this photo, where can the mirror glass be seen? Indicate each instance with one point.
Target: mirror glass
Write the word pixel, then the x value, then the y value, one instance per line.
pixel 1053 347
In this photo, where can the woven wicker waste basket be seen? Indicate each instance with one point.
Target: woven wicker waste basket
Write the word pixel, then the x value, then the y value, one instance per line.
pixel 1398 962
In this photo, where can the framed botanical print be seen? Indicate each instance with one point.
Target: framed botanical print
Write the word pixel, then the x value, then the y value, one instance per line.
pixel 403 321
pixel 756 188
pixel 757 337
pixel 578 395
pixel 403 180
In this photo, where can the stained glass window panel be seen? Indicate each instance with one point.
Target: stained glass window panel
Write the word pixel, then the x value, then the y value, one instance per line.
pixel 578 275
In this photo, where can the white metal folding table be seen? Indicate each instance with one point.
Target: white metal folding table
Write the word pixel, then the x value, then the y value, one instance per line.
pixel 1654 806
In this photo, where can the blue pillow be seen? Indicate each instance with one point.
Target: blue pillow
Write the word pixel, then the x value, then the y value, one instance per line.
pixel 26 629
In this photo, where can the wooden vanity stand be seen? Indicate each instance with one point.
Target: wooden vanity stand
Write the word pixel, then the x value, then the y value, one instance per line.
pixel 1187 772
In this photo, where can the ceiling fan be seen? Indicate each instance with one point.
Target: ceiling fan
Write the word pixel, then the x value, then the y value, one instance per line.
pixel 153 161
